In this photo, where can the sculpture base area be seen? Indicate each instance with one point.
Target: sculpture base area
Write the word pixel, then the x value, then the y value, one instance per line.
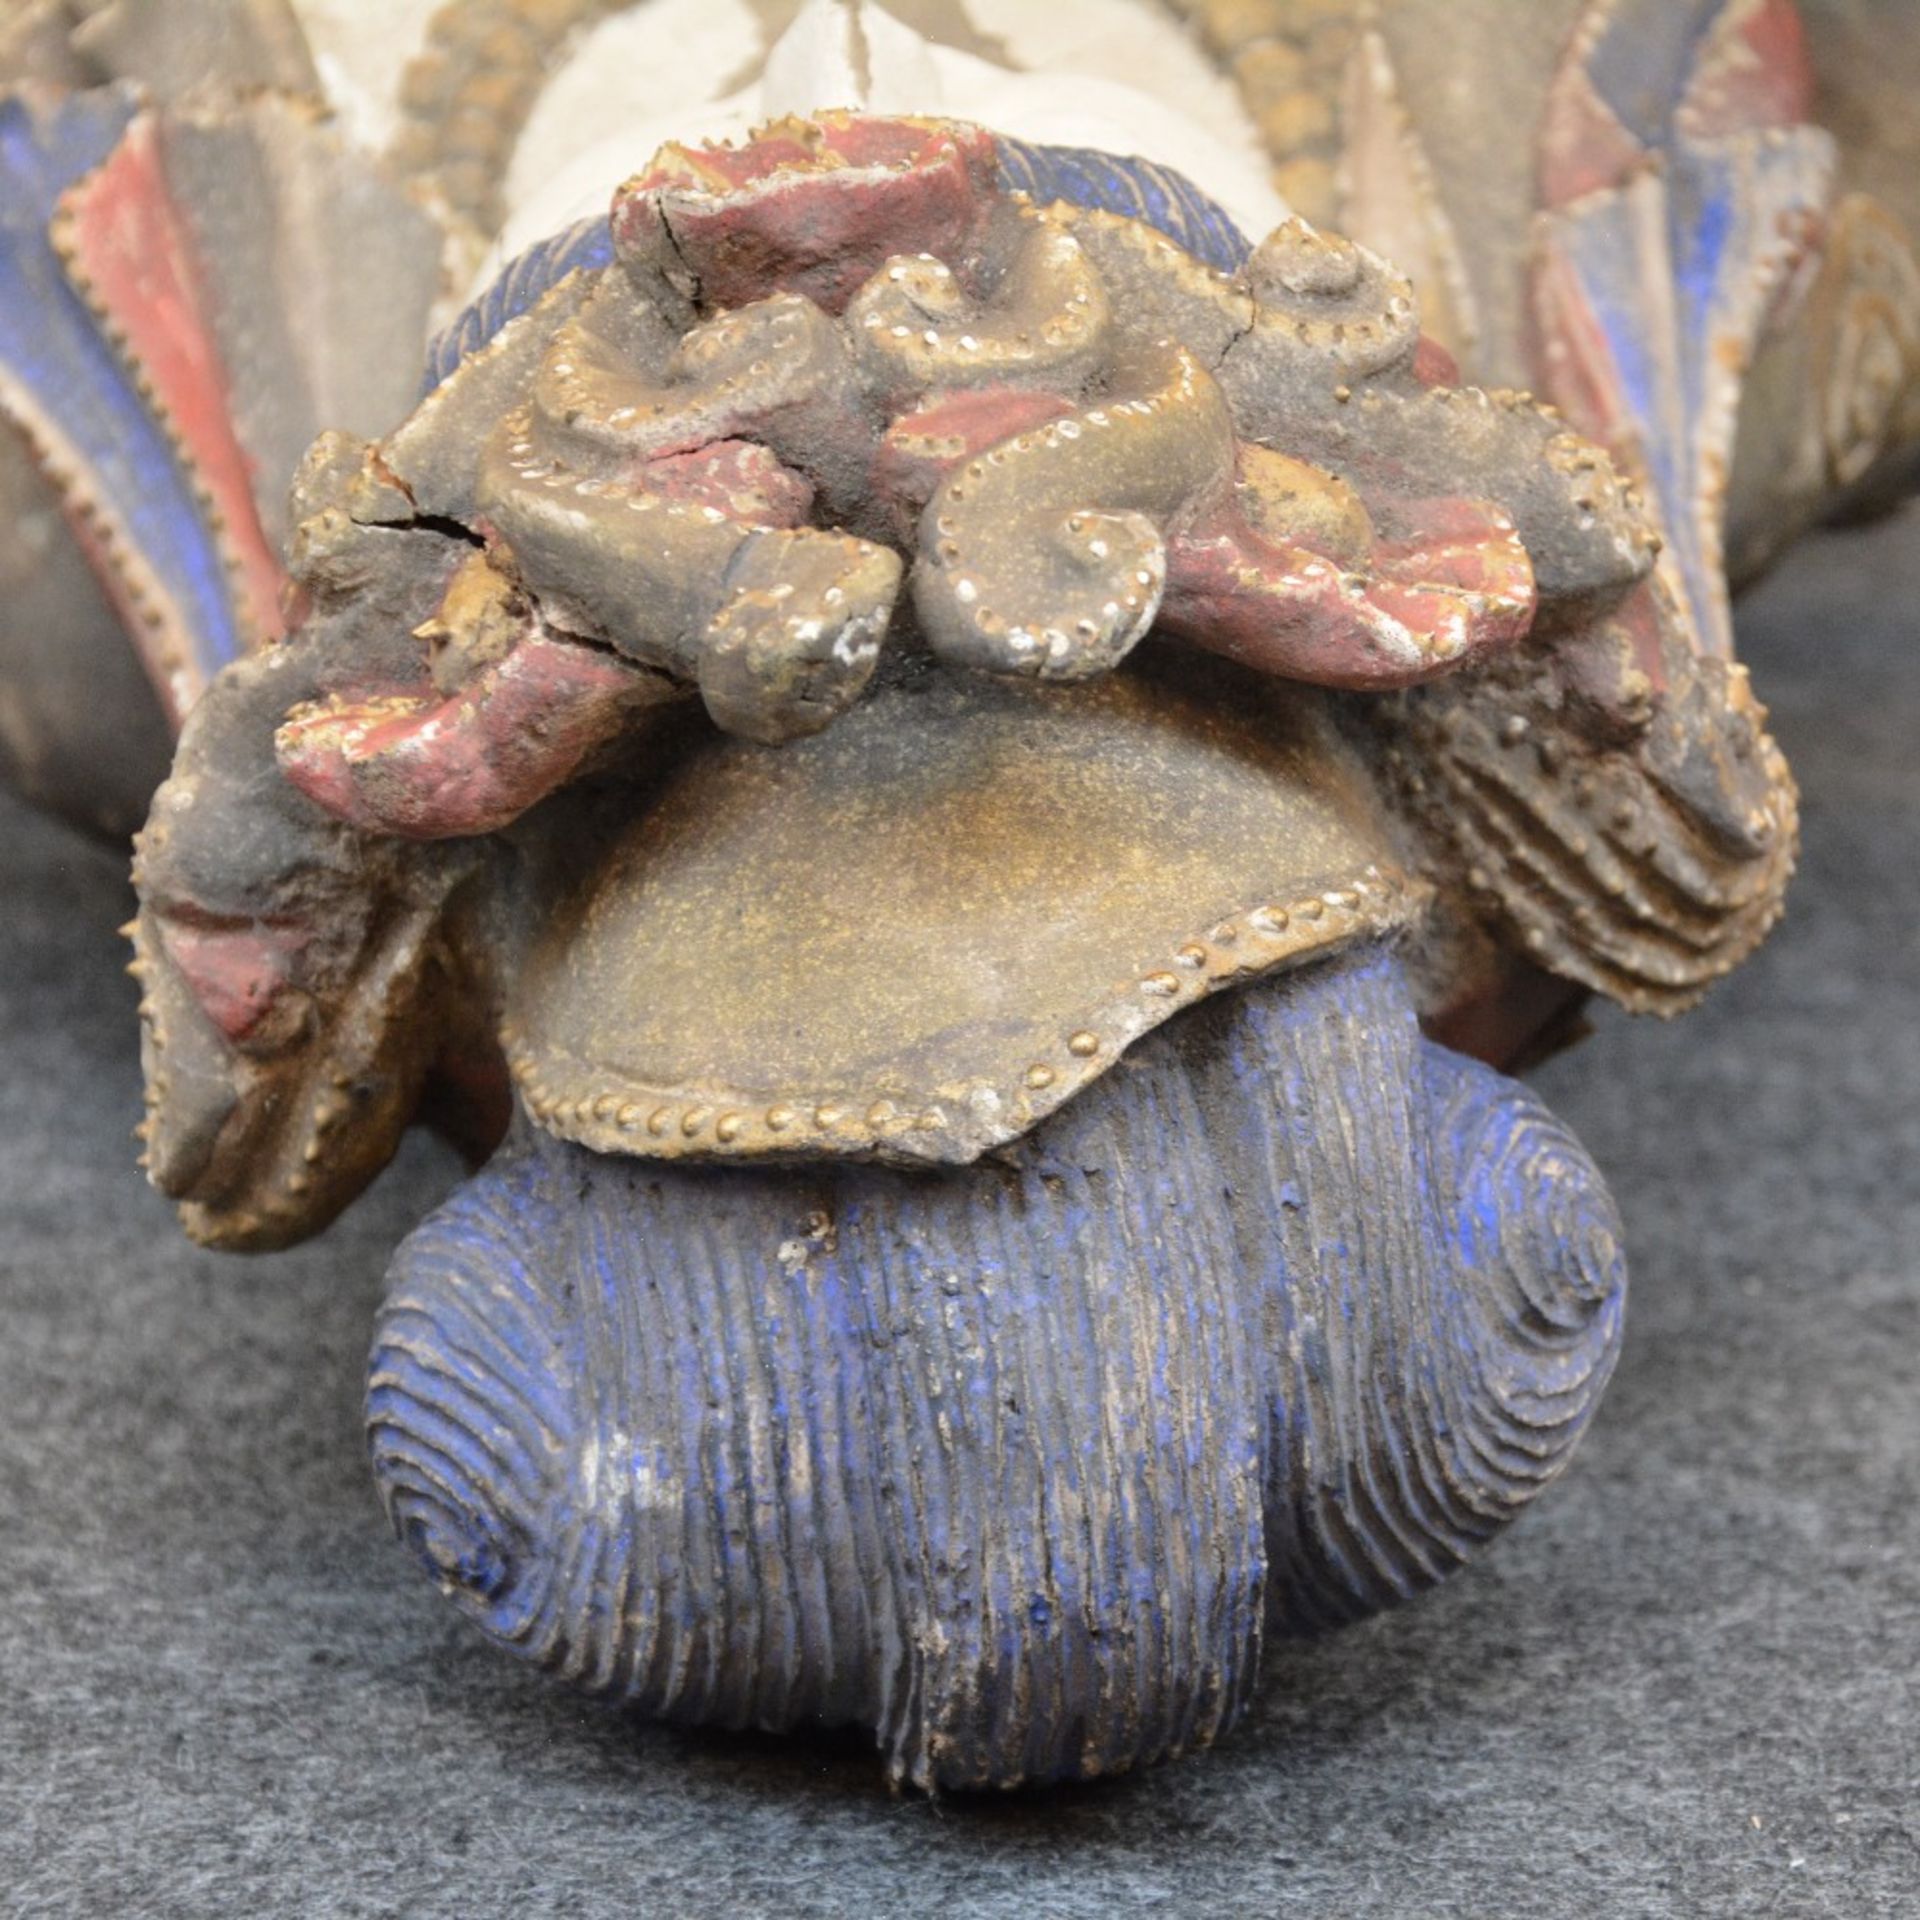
pixel 1016 1466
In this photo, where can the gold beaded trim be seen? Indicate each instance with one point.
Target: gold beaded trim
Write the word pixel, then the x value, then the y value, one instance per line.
pixel 580 1101
pixel 153 618
pixel 1288 59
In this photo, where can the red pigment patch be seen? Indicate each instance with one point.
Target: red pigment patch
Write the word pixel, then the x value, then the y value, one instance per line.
pixel 786 146
pixel 1575 360
pixel 1433 365
pixel 133 252
pixel 1452 541
pixel 235 974
pixel 745 481
pixel 814 208
pixel 430 769
pixel 1288 611
pixel 1590 670
pixel 1756 72
pixel 1584 147
pixel 921 448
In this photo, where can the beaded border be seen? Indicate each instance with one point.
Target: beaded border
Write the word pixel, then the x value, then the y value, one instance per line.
pixel 955 1123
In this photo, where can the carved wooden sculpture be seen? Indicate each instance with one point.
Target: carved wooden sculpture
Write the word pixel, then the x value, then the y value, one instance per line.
pixel 837 387
pixel 951 737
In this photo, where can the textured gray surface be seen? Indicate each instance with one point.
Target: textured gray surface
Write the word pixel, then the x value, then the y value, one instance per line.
pixel 1683 1687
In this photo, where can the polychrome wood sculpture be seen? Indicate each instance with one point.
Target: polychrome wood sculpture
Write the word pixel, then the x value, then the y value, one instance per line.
pixel 949 745
pixel 183 265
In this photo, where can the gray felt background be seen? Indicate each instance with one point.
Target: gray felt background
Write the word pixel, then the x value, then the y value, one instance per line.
pixel 1684 1687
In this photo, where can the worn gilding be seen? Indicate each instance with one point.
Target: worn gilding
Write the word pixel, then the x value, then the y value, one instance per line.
pixel 917 933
